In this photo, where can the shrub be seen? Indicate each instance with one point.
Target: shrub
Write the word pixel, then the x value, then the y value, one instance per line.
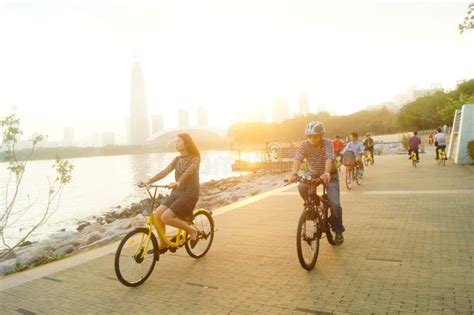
pixel 470 149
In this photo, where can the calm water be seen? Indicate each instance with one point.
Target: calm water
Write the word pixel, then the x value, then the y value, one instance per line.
pixel 98 185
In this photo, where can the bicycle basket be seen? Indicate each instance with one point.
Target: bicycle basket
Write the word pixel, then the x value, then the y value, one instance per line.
pixel 348 158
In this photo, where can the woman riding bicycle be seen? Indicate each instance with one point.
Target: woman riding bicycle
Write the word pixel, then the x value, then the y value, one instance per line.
pixel 177 209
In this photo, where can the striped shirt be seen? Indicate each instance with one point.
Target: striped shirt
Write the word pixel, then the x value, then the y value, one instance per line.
pixel 315 157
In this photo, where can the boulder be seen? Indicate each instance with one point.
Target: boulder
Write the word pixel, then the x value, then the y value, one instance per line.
pixel 7 266
pixel 30 255
pixel 94 227
pixel 93 237
pixel 64 250
pixel 61 235
pixel 138 221
pixel 9 256
pixel 102 220
pixel 82 225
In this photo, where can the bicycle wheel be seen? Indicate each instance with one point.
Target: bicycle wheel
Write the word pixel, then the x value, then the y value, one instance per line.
pixel 204 222
pixel 366 161
pixel 348 178
pixel 413 162
pixel 132 264
pixel 307 241
pixel 443 161
pixel 357 177
pixel 329 235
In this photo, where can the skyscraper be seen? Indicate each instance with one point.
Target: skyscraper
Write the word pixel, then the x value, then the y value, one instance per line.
pixel 280 109
pixel 108 138
pixel 304 103
pixel 156 123
pixel 68 137
pixel 202 117
pixel 183 118
pixel 139 119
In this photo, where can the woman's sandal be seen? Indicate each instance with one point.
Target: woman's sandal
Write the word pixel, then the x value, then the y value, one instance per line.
pixel 194 242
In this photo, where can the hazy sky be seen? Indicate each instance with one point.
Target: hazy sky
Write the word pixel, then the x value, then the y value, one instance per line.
pixel 68 63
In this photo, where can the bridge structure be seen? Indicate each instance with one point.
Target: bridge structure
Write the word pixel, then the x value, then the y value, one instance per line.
pixel 165 137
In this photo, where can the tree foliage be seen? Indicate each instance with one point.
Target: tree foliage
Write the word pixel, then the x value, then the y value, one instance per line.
pixel 468 22
pixel 376 121
pixel 427 112
pixel 8 211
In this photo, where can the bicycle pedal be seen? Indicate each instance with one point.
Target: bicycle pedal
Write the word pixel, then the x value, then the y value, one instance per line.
pixel 172 249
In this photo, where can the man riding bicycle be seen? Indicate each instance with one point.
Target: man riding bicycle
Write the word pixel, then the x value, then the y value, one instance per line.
pixel 414 144
pixel 357 147
pixel 440 142
pixel 338 145
pixel 319 156
pixel 369 145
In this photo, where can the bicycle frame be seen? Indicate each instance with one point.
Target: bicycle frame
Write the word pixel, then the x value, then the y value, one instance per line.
pixel 180 236
pixel 441 154
pixel 316 203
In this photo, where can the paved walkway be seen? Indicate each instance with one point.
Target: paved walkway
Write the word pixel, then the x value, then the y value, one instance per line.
pixel 409 248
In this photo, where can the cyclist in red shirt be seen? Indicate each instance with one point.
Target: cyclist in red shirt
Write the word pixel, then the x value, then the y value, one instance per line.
pixel 338 145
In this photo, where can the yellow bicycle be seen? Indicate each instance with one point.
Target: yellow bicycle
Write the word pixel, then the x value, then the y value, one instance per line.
pixel 414 160
pixel 368 158
pixel 442 157
pixel 338 162
pixel 138 251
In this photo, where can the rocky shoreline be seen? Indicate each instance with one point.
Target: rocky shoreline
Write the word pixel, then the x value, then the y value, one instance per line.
pixel 112 226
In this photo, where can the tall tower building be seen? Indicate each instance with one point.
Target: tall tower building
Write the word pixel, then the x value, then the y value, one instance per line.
pixel 68 137
pixel 183 118
pixel 156 123
pixel 280 109
pixel 108 138
pixel 304 103
pixel 139 119
pixel 202 117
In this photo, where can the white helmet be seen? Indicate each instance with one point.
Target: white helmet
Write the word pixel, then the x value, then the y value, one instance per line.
pixel 314 128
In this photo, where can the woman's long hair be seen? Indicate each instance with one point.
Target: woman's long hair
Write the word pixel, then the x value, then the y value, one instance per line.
pixel 189 145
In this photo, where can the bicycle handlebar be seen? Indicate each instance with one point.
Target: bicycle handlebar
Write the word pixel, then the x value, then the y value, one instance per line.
pixel 307 179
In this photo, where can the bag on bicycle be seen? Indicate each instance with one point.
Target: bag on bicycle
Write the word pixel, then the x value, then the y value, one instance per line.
pixel 348 158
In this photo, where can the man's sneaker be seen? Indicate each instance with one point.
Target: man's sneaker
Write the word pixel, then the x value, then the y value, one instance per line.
pixel 339 239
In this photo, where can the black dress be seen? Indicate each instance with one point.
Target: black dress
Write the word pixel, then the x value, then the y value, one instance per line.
pixel 183 199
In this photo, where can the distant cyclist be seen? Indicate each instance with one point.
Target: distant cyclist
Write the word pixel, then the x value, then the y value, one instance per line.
pixel 357 147
pixel 440 142
pixel 338 145
pixel 430 138
pixel 369 145
pixel 414 144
